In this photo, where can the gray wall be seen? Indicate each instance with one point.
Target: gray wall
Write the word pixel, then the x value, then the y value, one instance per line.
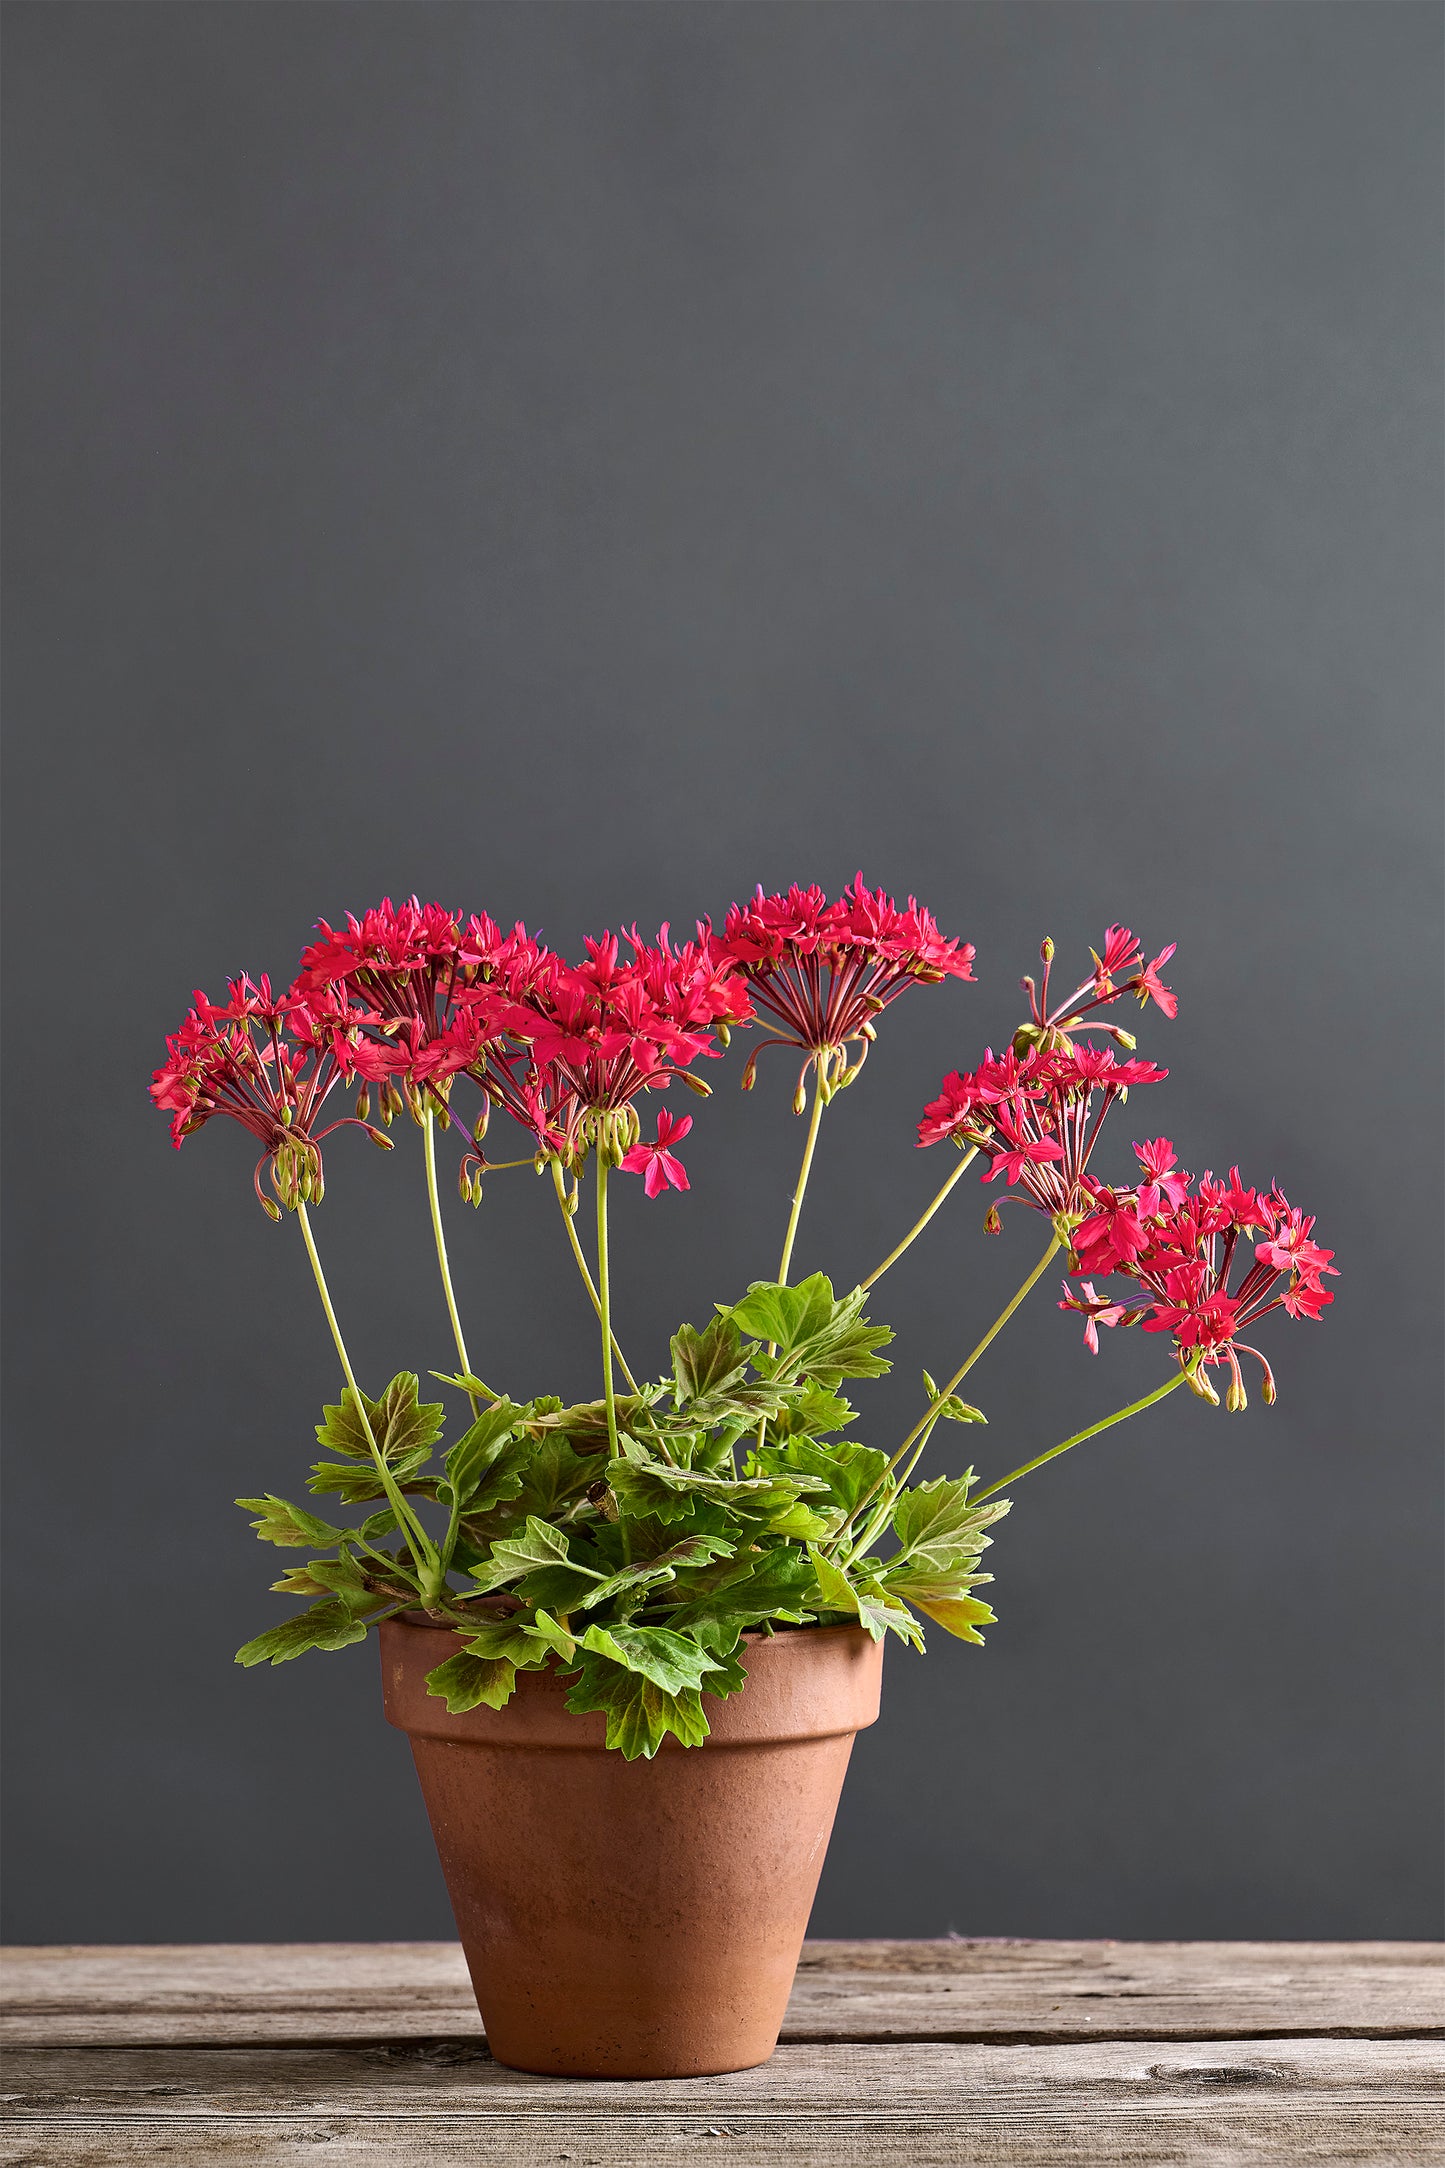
pixel 584 460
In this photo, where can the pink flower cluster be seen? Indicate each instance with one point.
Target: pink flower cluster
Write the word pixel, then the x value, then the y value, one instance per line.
pixel 409 997
pixel 1180 1242
pixel 823 971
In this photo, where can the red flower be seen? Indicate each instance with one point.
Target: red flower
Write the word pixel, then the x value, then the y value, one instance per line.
pixel 1147 985
pixel 654 1162
pixel 1112 1236
pixel 1018 1151
pixel 404 972
pixel 1182 1255
pixel 598 1034
pixel 824 971
pixel 1162 1185
pixel 268 1064
pixel 1049 1021
pixel 1097 1310
pixel 947 1115
pixel 1036 1117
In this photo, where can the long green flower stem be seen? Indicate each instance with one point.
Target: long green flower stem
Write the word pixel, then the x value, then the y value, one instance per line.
pixel 604 1304
pixel 586 1271
pixel 430 1146
pixel 422 1546
pixel 805 1170
pixel 1161 1392
pixel 920 1223
pixel 922 1429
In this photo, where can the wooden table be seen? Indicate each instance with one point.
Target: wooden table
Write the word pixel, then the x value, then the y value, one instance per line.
pixel 906 2053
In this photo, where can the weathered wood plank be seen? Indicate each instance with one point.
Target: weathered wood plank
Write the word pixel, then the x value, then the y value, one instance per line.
pixel 954 1990
pixel 893 2105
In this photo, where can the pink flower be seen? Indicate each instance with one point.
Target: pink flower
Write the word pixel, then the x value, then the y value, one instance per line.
pixel 654 1162
pixel 1019 1151
pixel 949 1113
pixel 1097 1310
pixel 1050 1020
pixel 823 972
pixel 1161 1185
pixel 269 1064
pixel 1148 986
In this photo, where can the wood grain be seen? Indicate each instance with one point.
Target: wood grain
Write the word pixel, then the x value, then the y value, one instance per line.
pixel 814 2106
pixel 269 1994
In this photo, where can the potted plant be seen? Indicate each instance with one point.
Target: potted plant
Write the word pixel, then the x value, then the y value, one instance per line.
pixel 631 1640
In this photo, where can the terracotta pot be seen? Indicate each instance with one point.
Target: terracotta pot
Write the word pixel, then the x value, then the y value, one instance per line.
pixel 636 1919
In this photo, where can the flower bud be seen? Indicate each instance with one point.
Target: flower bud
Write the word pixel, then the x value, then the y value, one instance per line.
pixel 270 1207
pixel 750 1072
pixel 722 1032
pixel 696 1084
pixel 992 1225
pixel 1199 1384
pixel 1046 949
pixel 1236 1399
pixel 800 1096
pixel 363 1104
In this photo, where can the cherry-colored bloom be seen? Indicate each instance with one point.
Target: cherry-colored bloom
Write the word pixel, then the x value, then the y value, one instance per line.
pixel 1112 1236
pixel 822 972
pixel 1117 972
pixel 407 970
pixel 1165 1181
pixel 655 1162
pixel 1182 1254
pixel 269 1064
pixel 1016 1151
pixel 1037 1116
pixel 1149 987
pixel 1097 1310
pixel 596 1035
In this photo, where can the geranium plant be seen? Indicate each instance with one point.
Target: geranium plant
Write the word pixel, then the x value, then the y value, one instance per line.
pixel 631 1541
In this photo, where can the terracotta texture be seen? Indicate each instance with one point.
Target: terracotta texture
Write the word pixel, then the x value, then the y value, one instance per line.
pixel 636 1919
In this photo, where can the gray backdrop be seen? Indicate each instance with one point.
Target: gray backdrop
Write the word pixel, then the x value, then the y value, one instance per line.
pixel 584 460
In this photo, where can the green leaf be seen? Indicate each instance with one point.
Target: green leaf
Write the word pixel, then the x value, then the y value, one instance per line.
pixel 468 1682
pixel 465 1383
pixel 878 1612
pixel 655 1491
pixel 545 1631
pixel 835 1592
pixel 671 1660
pixel 640 1714
pixel 651 1572
pixel 290 1527
pixel 478 1448
pixel 354 1482
pixel 705 1362
pixel 329 1625
pixel 800 1524
pixel 786 1315
pixel 942 1598
pixel 851 1472
pixel 512 1556
pixel 771 1585
pixel 493 1638
pixel 399 1422
pixel 934 1521
pixel 553 1476
pixel 816 1336
pixel 812 1411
